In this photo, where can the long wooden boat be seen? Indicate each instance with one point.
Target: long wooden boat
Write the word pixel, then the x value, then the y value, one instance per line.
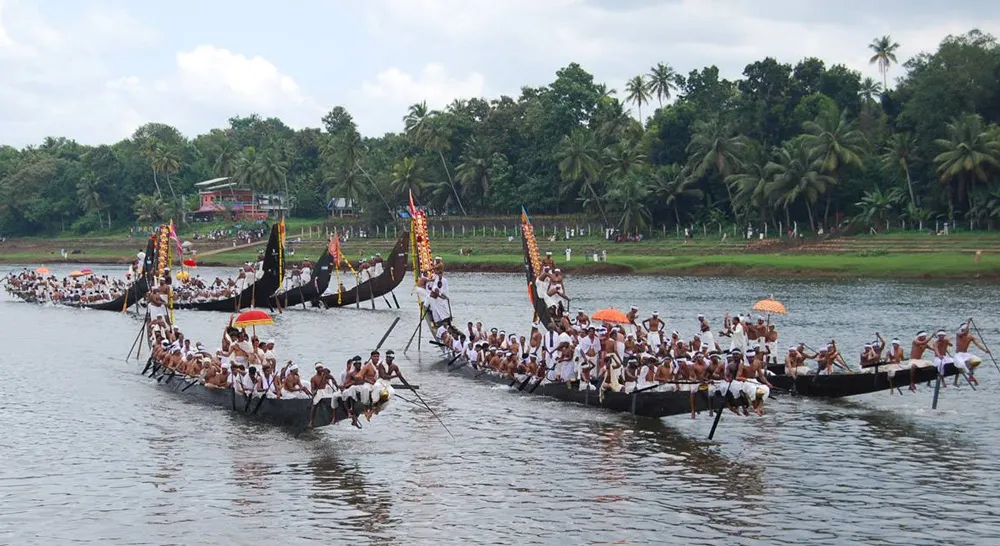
pixel 292 413
pixel 872 379
pixel 257 293
pixel 665 400
pixel 394 269
pixel 294 297
pixel 132 295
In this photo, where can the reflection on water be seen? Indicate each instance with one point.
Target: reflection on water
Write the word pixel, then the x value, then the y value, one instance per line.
pixel 99 455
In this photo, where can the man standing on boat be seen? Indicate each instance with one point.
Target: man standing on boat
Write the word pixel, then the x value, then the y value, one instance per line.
pixel 437 294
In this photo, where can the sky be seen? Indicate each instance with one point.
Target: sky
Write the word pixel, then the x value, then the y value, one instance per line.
pixel 95 70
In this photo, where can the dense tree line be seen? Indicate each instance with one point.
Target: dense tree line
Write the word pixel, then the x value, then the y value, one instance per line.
pixel 810 143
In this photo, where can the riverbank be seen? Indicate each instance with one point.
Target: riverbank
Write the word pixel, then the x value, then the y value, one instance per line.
pixel 912 256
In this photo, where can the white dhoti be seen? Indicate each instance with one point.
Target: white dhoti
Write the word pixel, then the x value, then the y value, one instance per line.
pixel 319 395
pixel 567 370
pixel 438 308
pixel 941 361
pixel 708 339
pixel 962 361
pixel 291 395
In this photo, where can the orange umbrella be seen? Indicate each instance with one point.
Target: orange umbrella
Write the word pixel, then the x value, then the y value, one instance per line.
pixel 253 317
pixel 76 273
pixel 770 306
pixel 610 315
pixel 43 270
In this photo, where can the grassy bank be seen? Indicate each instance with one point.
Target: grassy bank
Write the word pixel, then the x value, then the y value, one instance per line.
pixel 887 256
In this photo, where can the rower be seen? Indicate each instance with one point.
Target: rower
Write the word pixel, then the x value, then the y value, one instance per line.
pixel 319 383
pixel 920 344
pixel 963 339
pixel 389 370
pixel 632 315
pixel 292 387
pixel 548 262
pixel 941 353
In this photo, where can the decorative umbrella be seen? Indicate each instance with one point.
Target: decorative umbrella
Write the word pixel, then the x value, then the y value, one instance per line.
pixel 43 270
pixel 76 273
pixel 87 271
pixel 610 315
pixel 189 262
pixel 770 306
pixel 253 317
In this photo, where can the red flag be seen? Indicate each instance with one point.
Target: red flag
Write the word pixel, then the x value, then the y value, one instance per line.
pixel 413 208
pixel 334 249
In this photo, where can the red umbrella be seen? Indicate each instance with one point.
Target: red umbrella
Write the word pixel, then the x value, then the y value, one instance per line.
pixel 610 315
pixel 87 271
pixel 189 262
pixel 253 317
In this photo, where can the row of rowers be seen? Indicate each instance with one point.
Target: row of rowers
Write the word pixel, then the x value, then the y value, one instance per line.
pixel 249 366
pixel 87 289
pixel 582 353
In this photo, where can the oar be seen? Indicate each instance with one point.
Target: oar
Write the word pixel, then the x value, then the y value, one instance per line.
pixel 387 332
pixel 718 416
pixel 267 389
pixel 145 321
pixel 420 323
pixel 394 300
pixel 148 364
pixel 189 385
pixel 421 398
pixel 978 333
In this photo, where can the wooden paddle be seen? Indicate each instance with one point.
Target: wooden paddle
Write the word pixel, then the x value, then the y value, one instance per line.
pixel 145 322
pixel 420 323
pixel 987 347
pixel 421 398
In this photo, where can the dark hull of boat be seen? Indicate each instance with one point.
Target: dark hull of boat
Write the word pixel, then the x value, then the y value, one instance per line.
pixel 256 294
pixel 320 281
pixel 841 385
pixel 133 294
pixel 392 275
pixel 644 404
pixel 293 414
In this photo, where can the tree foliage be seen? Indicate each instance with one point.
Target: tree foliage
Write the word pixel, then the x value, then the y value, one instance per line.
pixel 812 143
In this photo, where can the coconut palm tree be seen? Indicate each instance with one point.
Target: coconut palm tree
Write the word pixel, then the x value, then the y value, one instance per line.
pixel 868 91
pixel 473 173
pixel 272 174
pixel 413 121
pixel 148 208
pixel 577 157
pixel 794 179
pixel 750 188
pixel 835 144
pixel 897 156
pixel 225 164
pixel 876 206
pixel 407 176
pixel 715 149
pixel 88 193
pixel 672 184
pixel 637 91
pixel 621 159
pixel 885 56
pixel 970 153
pixel 435 136
pixel 628 198
pixel 662 81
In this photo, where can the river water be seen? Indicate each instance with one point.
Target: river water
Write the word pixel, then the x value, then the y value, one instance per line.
pixel 91 453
